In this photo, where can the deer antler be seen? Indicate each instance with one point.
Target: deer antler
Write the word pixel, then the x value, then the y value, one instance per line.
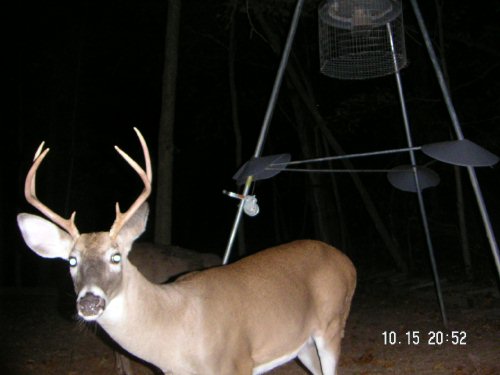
pixel 146 177
pixel 30 193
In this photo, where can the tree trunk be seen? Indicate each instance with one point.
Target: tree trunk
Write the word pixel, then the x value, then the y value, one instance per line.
pixel 343 232
pixel 320 203
pixel 460 203
pixel 462 223
pixel 164 185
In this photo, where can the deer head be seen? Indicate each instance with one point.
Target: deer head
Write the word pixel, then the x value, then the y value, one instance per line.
pixel 97 260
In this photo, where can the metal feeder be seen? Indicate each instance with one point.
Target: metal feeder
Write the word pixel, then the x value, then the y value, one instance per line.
pixel 355 38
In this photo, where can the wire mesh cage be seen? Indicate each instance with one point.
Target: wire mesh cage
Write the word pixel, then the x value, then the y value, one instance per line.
pixel 361 39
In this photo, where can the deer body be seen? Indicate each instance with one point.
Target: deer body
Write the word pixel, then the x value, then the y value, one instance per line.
pixel 231 318
pixel 240 319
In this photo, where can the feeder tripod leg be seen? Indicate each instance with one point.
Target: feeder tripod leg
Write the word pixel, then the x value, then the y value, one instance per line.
pixel 267 118
pixel 421 203
pixel 458 131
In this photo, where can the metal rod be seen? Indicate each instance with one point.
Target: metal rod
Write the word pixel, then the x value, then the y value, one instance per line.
pixel 347 156
pixel 237 220
pixel 279 78
pixel 309 170
pixel 458 131
pixel 267 118
pixel 421 203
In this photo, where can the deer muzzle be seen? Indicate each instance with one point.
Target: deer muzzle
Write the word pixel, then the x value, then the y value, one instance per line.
pixel 90 306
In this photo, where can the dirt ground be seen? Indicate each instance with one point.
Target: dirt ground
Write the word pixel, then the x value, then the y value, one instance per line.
pixel 39 335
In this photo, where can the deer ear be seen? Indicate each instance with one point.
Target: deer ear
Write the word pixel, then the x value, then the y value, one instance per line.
pixel 136 225
pixel 44 237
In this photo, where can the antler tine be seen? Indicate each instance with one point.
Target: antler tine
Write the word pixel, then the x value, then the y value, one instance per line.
pixel 30 193
pixel 146 177
pixel 145 151
pixel 37 154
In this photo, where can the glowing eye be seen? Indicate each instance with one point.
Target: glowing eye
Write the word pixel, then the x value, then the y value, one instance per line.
pixel 72 261
pixel 116 258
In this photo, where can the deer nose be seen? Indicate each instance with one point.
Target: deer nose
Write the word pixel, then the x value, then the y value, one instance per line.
pixel 90 306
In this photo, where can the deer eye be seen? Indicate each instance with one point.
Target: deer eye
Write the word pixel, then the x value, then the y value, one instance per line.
pixel 116 258
pixel 72 261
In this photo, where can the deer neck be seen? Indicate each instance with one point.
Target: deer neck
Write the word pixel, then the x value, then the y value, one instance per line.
pixel 140 312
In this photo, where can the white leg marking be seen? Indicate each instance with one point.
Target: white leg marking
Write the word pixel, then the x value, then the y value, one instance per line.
pixel 309 358
pixel 327 356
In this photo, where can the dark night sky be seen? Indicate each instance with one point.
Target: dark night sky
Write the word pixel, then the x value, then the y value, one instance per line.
pixel 82 73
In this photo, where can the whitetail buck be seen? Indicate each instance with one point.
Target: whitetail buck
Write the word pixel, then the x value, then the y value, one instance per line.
pixel 240 319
